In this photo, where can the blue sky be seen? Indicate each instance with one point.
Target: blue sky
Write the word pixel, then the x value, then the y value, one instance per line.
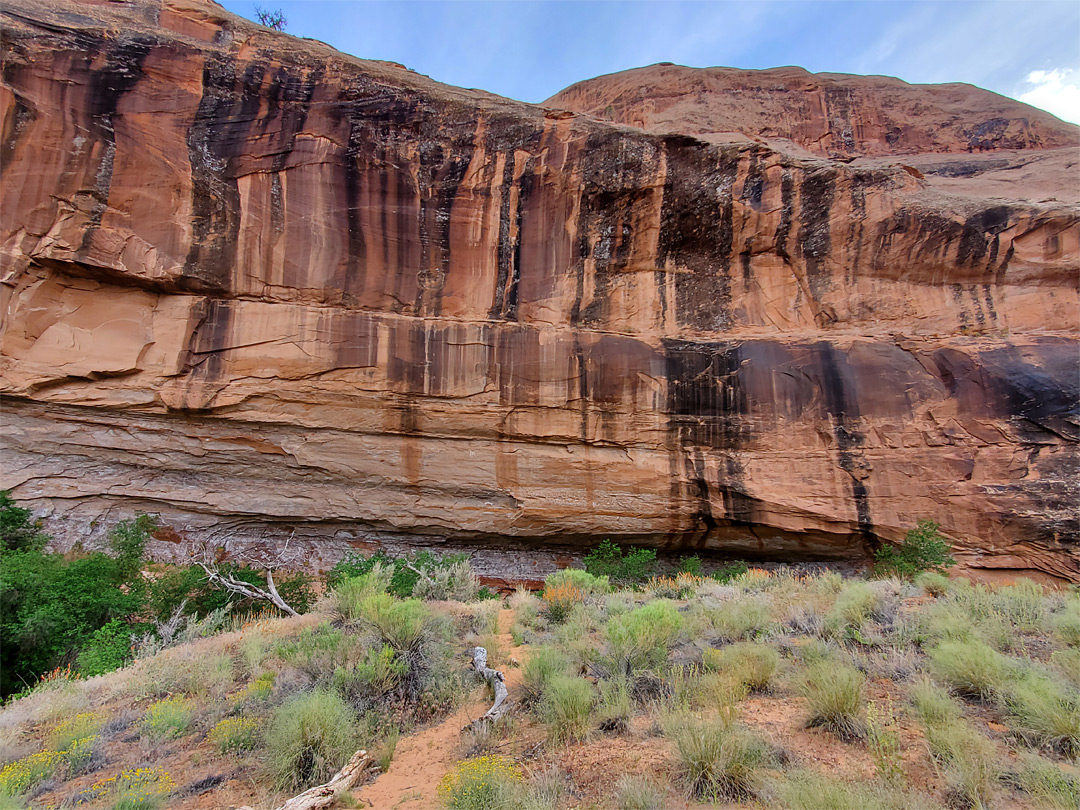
pixel 1027 49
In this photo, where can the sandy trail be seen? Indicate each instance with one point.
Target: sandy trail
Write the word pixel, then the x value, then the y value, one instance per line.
pixel 423 758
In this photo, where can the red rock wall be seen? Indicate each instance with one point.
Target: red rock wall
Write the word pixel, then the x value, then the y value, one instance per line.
pixel 260 287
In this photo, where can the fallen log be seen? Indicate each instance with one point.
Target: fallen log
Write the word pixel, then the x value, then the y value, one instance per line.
pixel 498 683
pixel 323 796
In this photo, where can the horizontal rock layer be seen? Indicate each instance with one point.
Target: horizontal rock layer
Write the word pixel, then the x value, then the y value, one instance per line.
pixel 264 289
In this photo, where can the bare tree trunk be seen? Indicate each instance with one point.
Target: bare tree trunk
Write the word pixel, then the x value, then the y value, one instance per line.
pixel 495 678
pixel 324 796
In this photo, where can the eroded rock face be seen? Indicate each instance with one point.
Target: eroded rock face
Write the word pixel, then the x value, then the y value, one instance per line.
pixel 264 289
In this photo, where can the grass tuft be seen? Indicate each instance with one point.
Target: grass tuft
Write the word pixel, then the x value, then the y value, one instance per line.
pixel 834 697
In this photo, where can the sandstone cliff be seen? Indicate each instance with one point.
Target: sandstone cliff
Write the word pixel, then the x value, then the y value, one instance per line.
pixel 263 288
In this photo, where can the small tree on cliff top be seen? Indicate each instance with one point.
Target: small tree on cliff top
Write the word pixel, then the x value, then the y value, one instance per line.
pixel 271 19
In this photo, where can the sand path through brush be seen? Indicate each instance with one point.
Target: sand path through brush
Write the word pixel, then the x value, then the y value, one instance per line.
pixel 424 757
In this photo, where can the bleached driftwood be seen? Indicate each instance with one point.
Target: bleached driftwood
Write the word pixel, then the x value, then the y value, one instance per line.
pixel 498 683
pixel 324 796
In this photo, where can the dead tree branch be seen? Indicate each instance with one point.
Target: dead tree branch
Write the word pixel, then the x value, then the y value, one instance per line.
pixel 208 559
pixel 498 683
pixel 325 795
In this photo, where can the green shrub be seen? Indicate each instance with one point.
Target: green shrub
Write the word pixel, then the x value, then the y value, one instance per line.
pixel 1066 625
pixel 128 540
pixel 1045 713
pixel 379 672
pixel 403 577
pixel 384 752
pixel 566 708
pixel 258 691
pixel 630 568
pixel 109 648
pixel 968 758
pixel 559 601
pixel 834 697
pixel 167 718
pixel 350 593
pixel 545 663
pixel 310 737
pixel 1066 663
pixel 456 581
pixel 730 571
pixel 639 792
pixel 19 531
pixel 690 565
pixel 717 759
pixel 81 726
pixel 640 639
pixel 923 549
pixel 616 705
pixel 857 605
pixel 484 783
pixel 19 777
pixel 741 618
pixel 1053 786
pixel 933 582
pixel 404 625
pixel 133 789
pixel 806 790
pixel 234 734
pixel 971 668
pixel 317 651
pixel 748 663
pixel 582 580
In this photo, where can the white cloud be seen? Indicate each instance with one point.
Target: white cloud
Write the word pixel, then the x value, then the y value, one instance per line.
pixel 1055 91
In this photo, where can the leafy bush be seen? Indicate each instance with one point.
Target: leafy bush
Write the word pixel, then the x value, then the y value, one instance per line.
pixel 630 568
pixel 19 531
pixel 107 649
pixel 317 651
pixel 717 759
pixel 309 738
pixel 234 734
pixel 167 718
pixel 484 783
pixel 690 565
pixel 971 668
pixel 566 708
pixel 640 639
pixel 455 581
pixel 730 571
pixel 834 697
pixel 923 549
pixel 380 671
pixel 748 663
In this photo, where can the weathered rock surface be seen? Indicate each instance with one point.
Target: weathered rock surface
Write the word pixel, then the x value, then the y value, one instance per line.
pixel 263 288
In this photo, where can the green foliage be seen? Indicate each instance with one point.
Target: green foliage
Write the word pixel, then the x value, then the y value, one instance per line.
pixel 78 727
pixel 379 672
pixel 731 571
pixel 639 792
pixel 545 663
pixel 483 783
pixel 18 529
pixel 718 760
pixel 310 737
pixel 107 649
pixel 566 708
pixel 128 540
pixel 971 668
pixel 50 607
pixel 741 618
pixel 234 734
pixel 807 790
pixel 856 606
pixel 317 651
pixel 575 577
pixel 189 585
pixel 748 663
pixel 403 579
pixel 690 565
pixel 923 549
pixel 630 568
pixel 1053 786
pixel 1066 625
pixel 834 698
pixel 167 718
pixel 19 777
pixel 640 639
